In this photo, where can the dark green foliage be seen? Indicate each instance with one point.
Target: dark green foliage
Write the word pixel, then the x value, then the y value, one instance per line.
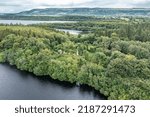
pixel 118 66
pixel 49 17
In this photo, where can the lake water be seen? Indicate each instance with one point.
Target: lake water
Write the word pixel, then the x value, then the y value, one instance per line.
pixel 74 32
pixel 27 22
pixel 16 84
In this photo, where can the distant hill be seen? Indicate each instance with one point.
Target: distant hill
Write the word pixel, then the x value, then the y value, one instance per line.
pixel 86 12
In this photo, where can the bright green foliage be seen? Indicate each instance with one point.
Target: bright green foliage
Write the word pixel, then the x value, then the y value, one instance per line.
pixel 2 57
pixel 113 59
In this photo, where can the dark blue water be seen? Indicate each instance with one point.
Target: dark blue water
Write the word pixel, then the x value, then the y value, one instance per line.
pixel 20 85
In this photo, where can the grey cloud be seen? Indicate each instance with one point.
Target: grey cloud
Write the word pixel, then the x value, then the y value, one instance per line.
pixel 8 4
pixel 21 5
pixel 98 3
pixel 142 5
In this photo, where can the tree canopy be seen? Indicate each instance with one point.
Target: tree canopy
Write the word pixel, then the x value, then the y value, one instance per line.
pixel 114 60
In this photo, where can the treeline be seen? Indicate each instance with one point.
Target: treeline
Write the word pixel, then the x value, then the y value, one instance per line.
pixel 87 25
pixel 49 18
pixel 119 67
pixel 126 29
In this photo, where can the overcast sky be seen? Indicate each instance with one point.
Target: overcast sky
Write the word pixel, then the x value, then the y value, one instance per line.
pixel 12 6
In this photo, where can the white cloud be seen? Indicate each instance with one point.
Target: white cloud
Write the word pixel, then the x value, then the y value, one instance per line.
pixel 21 5
pixel 59 2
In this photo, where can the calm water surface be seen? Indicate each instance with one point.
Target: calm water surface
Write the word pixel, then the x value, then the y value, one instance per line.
pixel 16 84
pixel 75 32
pixel 27 22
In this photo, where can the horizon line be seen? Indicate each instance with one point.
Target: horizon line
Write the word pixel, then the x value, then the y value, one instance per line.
pixel 76 8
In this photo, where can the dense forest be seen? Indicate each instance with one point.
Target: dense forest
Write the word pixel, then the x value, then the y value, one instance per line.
pixel 114 57
pixel 50 18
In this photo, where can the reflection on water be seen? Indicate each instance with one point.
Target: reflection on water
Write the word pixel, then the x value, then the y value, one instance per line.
pixel 16 84
pixel 75 32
